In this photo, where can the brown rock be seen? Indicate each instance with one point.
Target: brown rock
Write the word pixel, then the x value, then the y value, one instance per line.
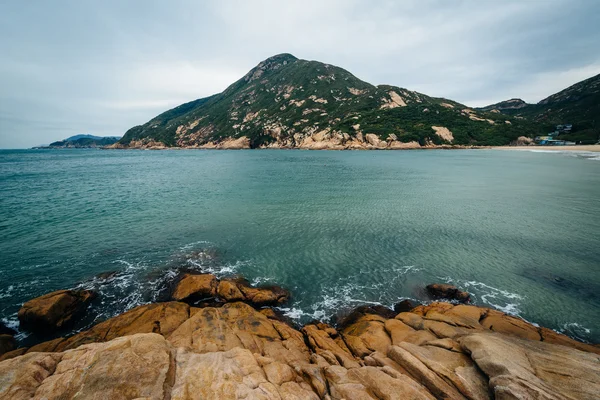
pixel 549 336
pixel 13 354
pixel 228 291
pixel 264 296
pixel 195 287
pixel 54 310
pixel 131 367
pixel 162 318
pixel 499 322
pixel 400 332
pixel 240 325
pixel 367 335
pixel 321 343
pixel 46 347
pixel 450 292
pixel 523 369
pixel 20 377
pixel 361 311
pixel 7 343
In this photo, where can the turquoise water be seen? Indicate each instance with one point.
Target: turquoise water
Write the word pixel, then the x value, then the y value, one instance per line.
pixel 519 230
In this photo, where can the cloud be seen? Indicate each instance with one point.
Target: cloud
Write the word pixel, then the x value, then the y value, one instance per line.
pixel 102 67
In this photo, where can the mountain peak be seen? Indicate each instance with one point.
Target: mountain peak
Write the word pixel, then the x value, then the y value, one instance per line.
pixel 270 64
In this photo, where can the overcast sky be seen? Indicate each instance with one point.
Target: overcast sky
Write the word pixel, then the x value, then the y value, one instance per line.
pixel 101 67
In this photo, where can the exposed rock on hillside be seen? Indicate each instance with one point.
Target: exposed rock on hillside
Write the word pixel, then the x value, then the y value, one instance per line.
pixel 285 102
pixel 439 351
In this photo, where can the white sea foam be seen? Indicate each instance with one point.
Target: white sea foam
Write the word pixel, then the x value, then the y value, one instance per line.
pixel 500 299
pixel 348 293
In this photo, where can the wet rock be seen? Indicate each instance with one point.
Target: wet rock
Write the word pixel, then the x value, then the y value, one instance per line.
pixel 404 306
pixel 264 296
pixel 7 343
pixel 439 350
pixel 449 292
pixel 107 276
pixel 194 287
pixel 55 310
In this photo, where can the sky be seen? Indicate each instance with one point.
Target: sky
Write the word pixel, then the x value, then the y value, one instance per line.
pixel 101 67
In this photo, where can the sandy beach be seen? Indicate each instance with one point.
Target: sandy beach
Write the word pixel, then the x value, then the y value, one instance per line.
pixel 587 147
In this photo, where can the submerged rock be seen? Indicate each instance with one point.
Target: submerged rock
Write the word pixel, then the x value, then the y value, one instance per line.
pixel 449 292
pixel 55 310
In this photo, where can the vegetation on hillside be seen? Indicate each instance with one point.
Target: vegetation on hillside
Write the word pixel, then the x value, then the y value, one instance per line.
pixel 578 105
pixel 285 99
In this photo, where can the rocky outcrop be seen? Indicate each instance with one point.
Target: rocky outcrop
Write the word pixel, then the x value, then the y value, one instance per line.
pixel 204 286
pixel 449 292
pixel 437 351
pixel 55 310
pixel 195 287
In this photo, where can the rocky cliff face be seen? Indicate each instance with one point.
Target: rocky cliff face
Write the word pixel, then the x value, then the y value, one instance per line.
pixel 174 351
pixel 285 102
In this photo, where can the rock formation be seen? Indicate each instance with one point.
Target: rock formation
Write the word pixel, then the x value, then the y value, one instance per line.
pixel 174 351
pixel 192 287
pixel 54 310
pixel 449 292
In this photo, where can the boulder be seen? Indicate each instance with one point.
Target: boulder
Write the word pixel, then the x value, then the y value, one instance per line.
pixel 55 310
pixel 195 287
pixel 264 296
pixel 404 306
pixel 449 292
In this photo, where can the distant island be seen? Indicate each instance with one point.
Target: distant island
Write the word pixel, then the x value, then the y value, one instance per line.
pixel 286 102
pixel 82 142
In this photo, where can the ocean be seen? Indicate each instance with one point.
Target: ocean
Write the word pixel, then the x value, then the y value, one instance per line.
pixel 519 230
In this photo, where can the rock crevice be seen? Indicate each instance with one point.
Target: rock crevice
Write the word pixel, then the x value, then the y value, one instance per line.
pixel 436 351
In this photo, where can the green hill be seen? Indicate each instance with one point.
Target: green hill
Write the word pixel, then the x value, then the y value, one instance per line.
pixel 578 105
pixel 82 142
pixel 288 102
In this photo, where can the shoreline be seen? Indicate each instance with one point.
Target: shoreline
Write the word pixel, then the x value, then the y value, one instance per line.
pixel 244 349
pixel 595 148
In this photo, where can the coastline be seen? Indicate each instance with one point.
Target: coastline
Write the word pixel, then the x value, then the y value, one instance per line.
pixel 240 349
pixel 586 147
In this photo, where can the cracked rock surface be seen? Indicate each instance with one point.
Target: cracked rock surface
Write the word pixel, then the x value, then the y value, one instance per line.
pixel 174 351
